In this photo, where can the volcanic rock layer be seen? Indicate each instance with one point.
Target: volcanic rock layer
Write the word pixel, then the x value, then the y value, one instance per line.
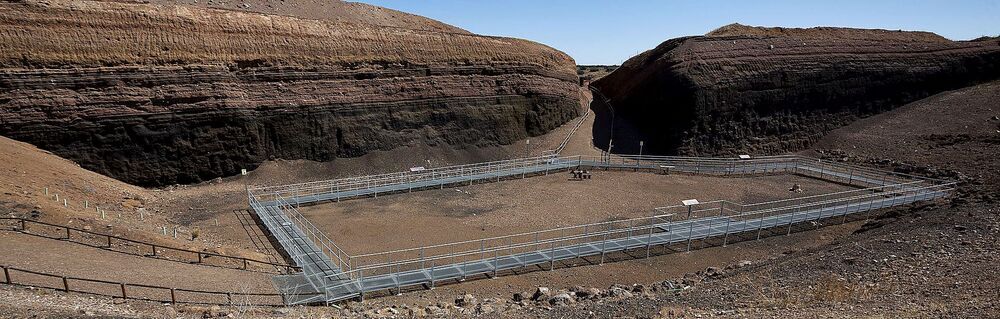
pixel 770 90
pixel 159 94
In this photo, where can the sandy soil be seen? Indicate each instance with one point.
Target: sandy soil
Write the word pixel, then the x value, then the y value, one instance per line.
pixel 484 210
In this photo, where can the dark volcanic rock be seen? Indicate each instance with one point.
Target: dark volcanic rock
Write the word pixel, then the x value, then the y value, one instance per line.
pixel 769 90
pixel 155 95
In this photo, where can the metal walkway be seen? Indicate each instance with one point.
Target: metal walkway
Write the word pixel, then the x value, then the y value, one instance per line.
pixel 330 274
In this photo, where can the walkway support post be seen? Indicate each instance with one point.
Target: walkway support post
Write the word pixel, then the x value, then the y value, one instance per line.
pixel 690 227
pixel 649 236
pixel 496 262
pixel 605 242
pixel 725 241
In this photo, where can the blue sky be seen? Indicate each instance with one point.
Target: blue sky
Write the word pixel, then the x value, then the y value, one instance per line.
pixel 608 32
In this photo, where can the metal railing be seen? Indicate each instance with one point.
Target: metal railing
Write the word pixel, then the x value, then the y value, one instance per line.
pixel 569 136
pixel 344 188
pixel 357 273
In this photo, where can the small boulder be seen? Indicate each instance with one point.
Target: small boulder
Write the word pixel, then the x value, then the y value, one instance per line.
pixel 465 300
pixel 522 296
pixel 485 309
pixel 561 299
pixel 586 293
pixel 637 288
pixel 618 292
pixel 433 310
pixel 713 272
pixel 541 294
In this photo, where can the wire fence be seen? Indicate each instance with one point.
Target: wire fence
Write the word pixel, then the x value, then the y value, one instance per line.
pixel 30 278
pixel 140 248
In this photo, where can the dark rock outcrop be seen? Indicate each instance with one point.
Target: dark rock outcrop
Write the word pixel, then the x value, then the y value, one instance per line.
pixel 768 90
pixel 159 94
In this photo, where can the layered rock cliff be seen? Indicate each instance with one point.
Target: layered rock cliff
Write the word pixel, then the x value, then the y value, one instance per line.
pixel 161 94
pixel 768 90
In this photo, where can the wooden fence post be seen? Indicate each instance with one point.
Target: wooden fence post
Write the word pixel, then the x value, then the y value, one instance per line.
pixel 173 297
pixel 124 296
pixel 65 284
pixel 6 275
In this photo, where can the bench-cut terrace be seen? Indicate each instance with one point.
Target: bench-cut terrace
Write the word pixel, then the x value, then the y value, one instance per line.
pixel 437 247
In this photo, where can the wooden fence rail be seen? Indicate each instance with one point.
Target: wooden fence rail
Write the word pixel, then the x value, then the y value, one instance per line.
pixel 144 249
pixel 29 278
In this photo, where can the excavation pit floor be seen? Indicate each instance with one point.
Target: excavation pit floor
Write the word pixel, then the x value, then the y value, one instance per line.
pixel 452 214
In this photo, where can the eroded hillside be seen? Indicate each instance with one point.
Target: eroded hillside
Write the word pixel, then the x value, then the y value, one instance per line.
pixel 758 90
pixel 161 94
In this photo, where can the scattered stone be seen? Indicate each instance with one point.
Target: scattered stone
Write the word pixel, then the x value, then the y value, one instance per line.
pixel 561 299
pixel 639 288
pixel 213 312
pixel 996 118
pixel 586 293
pixel 713 272
pixel 960 228
pixel 465 300
pixel 744 263
pixel 433 310
pixel 796 188
pixel 522 296
pixel 541 294
pixel 485 309
pixel 618 292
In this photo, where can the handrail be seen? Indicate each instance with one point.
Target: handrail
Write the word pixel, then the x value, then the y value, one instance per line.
pixel 598 232
pixel 158 247
pixel 876 184
pixel 9 272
